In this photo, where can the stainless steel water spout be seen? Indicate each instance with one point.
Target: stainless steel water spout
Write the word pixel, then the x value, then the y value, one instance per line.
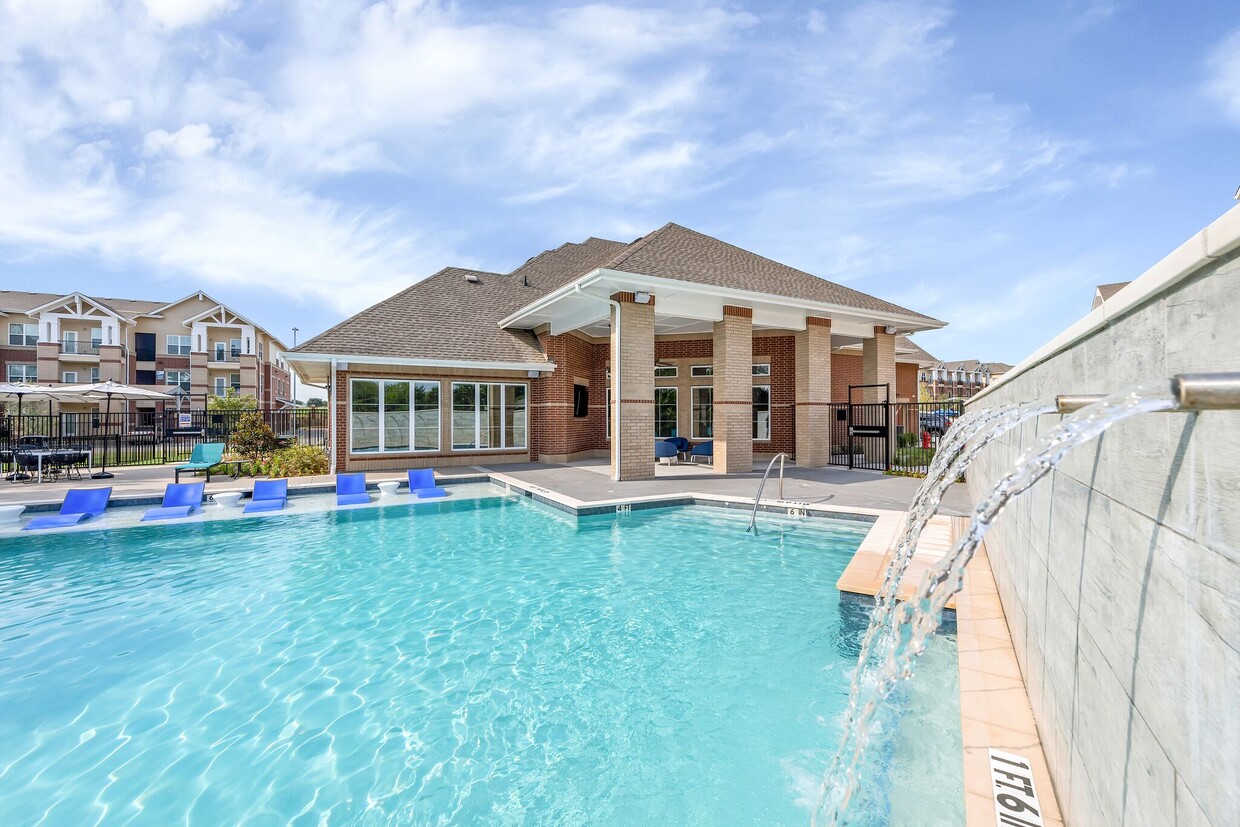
pixel 1192 391
pixel 1207 391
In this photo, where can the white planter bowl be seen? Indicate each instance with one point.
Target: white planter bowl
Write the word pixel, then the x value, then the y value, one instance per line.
pixel 227 499
pixel 389 487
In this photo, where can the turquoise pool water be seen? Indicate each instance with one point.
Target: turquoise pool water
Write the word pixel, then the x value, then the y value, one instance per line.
pixel 484 662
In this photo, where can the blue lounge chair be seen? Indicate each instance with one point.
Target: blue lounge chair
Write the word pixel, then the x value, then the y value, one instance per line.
pixel 422 484
pixel 269 495
pixel 665 450
pixel 80 504
pixel 180 500
pixel 351 489
pixel 683 446
pixel 206 456
pixel 703 449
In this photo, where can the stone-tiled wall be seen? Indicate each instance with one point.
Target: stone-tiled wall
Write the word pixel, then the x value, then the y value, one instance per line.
pixel 1120 572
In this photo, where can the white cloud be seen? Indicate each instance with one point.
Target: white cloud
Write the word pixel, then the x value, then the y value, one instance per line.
pixel 1223 81
pixel 173 14
pixel 188 141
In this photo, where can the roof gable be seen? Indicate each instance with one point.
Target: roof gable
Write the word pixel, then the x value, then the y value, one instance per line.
pixel 676 252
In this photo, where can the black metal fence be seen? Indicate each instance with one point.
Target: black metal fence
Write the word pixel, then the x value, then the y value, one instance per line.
pixel 900 437
pixel 152 437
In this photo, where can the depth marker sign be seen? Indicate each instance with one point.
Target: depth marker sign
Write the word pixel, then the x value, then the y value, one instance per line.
pixel 1016 799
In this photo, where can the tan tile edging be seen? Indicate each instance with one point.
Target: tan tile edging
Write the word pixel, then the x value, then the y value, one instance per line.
pixel 994 704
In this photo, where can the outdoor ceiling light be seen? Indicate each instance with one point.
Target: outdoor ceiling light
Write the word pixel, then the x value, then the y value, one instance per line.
pixel 641 298
pixel 889 329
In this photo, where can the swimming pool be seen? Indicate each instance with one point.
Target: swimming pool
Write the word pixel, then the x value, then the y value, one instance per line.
pixel 486 661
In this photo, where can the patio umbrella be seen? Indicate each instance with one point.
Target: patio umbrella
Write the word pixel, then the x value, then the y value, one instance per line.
pixel 21 390
pixel 107 390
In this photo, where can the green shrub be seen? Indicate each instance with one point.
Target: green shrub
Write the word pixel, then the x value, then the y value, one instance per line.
pixel 253 438
pixel 907 440
pixel 298 461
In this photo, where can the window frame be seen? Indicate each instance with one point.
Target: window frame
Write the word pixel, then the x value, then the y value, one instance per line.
pixel 675 372
pixel 413 418
pixel 754 369
pixel 503 415
pixel 754 414
pixel 188 381
pixel 693 406
pixel 25 335
pixel 675 411
pixel 188 344
pixel 701 371
pixel 64 377
pixel 8 372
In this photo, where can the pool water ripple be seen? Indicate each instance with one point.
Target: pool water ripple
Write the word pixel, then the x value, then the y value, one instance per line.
pixel 485 662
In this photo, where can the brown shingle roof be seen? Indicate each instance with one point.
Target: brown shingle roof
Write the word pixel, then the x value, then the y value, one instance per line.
pixel 20 301
pixel 913 352
pixel 447 317
pixel 676 252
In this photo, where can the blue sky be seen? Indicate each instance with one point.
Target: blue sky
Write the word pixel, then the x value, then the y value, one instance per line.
pixel 986 163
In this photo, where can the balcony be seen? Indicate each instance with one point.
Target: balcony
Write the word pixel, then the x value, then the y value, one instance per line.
pixel 224 357
pixel 80 347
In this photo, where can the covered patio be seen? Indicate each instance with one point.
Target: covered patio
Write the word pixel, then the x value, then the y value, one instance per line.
pixel 748 372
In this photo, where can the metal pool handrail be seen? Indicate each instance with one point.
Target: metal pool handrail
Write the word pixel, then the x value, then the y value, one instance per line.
pixel 753 518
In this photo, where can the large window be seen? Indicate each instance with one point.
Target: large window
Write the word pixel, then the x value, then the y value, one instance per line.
pixel 487 416
pixel 24 334
pixel 144 344
pixel 761 412
pixel 395 416
pixel 69 377
pixel 175 378
pixel 22 373
pixel 703 400
pixel 178 345
pixel 664 412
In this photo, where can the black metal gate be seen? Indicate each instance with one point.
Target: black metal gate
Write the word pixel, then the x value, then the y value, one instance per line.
pixel 869 429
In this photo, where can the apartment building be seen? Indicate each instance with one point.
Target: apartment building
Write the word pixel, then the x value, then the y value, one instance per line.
pixel 194 346
pixel 958 380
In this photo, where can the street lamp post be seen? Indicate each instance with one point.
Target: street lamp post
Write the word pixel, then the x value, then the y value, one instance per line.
pixel 294 373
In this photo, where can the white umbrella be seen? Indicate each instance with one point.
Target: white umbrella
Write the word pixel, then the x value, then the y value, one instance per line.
pixel 21 390
pixel 107 390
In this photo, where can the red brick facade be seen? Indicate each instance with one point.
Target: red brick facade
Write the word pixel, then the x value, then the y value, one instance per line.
pixel 556 435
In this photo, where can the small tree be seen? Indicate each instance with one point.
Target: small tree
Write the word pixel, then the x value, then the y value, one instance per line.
pixel 253 438
pixel 232 401
pixel 315 402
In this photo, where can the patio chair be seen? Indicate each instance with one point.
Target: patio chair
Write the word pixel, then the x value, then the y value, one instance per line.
pixel 683 446
pixel 666 450
pixel 351 489
pixel 25 465
pixel 705 450
pixel 79 504
pixel 269 495
pixel 206 455
pixel 180 500
pixel 422 484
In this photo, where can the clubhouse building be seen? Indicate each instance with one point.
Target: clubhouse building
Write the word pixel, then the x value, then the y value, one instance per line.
pixel 602 348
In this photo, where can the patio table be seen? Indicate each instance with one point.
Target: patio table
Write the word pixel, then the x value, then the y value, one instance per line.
pixel 39 455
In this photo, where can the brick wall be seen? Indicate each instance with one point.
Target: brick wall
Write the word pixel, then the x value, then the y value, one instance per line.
pixel 559 434
pixel 846 370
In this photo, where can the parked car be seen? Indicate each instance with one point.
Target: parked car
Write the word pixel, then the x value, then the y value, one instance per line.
pixel 937 422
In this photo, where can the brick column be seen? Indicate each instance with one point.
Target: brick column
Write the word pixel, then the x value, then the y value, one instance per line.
pixel 112 363
pixel 733 392
pixel 632 389
pixel 47 362
pixel 200 382
pixel 813 393
pixel 878 366
pixel 247 367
